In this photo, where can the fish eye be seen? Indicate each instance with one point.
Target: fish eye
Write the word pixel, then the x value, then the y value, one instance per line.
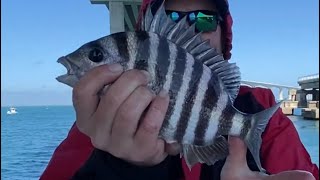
pixel 96 55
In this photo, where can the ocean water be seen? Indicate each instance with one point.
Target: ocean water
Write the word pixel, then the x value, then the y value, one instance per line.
pixel 30 137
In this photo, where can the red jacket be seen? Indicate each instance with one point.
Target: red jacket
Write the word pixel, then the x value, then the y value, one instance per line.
pixel 281 146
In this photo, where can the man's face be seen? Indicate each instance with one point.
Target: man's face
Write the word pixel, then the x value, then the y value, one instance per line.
pixel 191 5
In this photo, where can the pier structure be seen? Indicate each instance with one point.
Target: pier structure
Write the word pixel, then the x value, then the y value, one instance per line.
pixel 309 89
pixel 272 85
pixel 305 100
pixel 308 96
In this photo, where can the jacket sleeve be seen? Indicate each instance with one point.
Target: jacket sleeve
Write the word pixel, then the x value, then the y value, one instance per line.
pixel 282 148
pixel 69 156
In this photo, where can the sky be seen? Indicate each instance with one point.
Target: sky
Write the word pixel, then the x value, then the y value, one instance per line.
pixel 273 41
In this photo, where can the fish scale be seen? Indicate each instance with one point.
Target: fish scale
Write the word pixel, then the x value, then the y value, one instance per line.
pixel 202 86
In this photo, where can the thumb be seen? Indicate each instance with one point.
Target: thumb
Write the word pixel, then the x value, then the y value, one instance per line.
pixel 237 150
pixel 291 175
pixel 236 166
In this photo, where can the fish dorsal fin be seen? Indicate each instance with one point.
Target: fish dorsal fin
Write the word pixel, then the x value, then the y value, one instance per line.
pixel 147 20
pixel 167 26
pixel 213 60
pixel 185 36
pixel 179 27
pixel 158 20
pixel 192 42
pixel 206 55
pixel 229 74
pixel 202 47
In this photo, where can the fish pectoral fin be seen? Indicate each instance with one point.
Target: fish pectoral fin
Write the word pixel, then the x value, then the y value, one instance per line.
pixel 206 154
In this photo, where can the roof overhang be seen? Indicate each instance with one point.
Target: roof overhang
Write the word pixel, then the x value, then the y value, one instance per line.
pixel 123 13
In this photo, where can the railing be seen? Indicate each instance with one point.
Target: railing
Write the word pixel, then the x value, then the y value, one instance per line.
pixel 310 77
pixel 267 85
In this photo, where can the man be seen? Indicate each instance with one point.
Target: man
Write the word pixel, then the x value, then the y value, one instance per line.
pixel 126 145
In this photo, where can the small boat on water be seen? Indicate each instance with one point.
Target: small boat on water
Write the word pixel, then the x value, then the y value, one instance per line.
pixel 12 111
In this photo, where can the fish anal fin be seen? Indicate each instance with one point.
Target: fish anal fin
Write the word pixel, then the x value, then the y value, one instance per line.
pixel 206 154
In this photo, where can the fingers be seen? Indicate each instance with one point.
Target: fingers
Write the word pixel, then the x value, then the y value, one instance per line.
pixel 85 97
pixel 111 119
pixel 117 93
pixel 130 111
pixel 149 129
pixel 236 166
pixel 146 147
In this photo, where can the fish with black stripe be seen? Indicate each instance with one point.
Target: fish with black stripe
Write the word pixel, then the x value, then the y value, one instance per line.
pixel 202 86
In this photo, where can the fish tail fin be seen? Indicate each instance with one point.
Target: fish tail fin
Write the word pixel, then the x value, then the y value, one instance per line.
pixel 253 138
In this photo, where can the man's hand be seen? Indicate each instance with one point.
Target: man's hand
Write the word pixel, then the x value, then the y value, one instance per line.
pixel 236 168
pixel 118 122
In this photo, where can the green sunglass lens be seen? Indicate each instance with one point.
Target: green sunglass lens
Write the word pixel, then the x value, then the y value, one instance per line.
pixel 206 22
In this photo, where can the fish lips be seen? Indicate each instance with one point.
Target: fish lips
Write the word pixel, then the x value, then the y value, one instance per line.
pixel 70 78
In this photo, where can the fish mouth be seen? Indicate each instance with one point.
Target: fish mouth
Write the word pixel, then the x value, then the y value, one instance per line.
pixel 69 65
pixel 73 69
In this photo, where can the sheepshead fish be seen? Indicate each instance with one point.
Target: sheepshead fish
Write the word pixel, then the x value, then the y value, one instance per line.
pixel 202 86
